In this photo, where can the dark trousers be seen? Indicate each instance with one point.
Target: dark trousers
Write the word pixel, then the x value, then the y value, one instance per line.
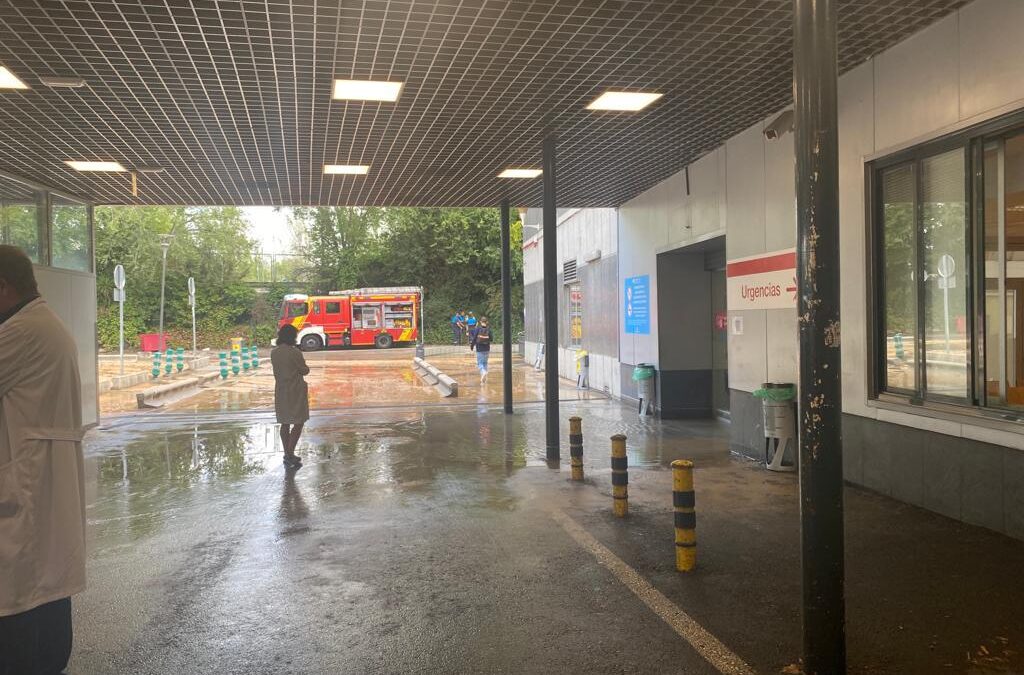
pixel 456 335
pixel 36 642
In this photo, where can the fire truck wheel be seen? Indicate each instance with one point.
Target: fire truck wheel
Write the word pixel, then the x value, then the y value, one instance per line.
pixel 312 343
pixel 384 342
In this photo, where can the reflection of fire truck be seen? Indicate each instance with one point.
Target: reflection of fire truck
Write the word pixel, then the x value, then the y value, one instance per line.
pixel 365 316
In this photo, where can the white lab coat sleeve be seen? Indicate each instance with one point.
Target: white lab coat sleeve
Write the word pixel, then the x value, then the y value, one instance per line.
pixel 12 356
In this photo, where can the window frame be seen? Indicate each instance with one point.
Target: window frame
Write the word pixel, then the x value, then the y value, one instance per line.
pixel 972 140
pixel 45 223
pixel 39 206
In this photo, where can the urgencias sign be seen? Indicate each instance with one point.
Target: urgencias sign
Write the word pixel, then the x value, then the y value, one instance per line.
pixel 762 281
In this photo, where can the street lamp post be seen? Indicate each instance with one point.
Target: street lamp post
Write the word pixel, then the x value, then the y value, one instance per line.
pixel 119 280
pixel 165 243
pixel 192 304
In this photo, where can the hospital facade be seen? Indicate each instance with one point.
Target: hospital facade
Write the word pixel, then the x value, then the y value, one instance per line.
pixel 697 275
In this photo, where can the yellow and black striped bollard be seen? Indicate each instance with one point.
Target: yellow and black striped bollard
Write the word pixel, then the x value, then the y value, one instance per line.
pixel 576 447
pixel 620 476
pixel 685 515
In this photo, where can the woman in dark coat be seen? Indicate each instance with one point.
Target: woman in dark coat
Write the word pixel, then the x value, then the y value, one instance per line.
pixel 291 395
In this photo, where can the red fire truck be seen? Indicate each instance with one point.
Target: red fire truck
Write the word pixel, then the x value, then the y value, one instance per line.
pixel 381 317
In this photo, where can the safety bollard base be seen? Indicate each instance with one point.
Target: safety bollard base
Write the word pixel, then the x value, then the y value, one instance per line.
pixel 685 515
pixel 686 557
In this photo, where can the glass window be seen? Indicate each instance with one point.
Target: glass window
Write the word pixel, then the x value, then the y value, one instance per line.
pixel 366 316
pixel 20 208
pixel 943 231
pixel 333 308
pixel 294 309
pixel 1003 257
pixel 899 289
pixel 923 245
pixel 70 234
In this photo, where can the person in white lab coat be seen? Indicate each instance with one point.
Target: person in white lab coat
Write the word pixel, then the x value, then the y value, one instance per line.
pixel 42 493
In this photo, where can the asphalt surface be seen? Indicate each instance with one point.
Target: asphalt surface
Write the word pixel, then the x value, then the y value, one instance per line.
pixel 427 540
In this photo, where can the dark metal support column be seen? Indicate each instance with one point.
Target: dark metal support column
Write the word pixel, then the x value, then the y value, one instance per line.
pixel 506 305
pixel 550 301
pixel 815 75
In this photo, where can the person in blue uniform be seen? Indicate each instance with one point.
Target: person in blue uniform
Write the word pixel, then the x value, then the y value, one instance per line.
pixel 471 330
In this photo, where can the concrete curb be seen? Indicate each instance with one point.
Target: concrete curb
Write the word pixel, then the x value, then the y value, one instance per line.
pixel 131 379
pixel 161 395
pixel 444 385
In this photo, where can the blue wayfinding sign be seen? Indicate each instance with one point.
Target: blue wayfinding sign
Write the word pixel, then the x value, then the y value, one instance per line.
pixel 638 305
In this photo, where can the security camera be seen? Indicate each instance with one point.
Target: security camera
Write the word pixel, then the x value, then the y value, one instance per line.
pixel 779 126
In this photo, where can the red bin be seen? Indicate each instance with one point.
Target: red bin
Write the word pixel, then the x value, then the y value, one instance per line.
pixel 152 342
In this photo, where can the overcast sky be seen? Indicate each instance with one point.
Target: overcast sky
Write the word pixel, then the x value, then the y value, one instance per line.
pixel 269 227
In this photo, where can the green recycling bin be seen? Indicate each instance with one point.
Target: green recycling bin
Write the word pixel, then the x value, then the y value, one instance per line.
pixel 779 419
pixel 643 375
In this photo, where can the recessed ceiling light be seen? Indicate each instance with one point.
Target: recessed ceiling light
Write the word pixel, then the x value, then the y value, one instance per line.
pixel 149 168
pixel 519 173
pixel 623 100
pixel 366 90
pixel 94 166
pixel 351 169
pixel 9 80
pixel 53 81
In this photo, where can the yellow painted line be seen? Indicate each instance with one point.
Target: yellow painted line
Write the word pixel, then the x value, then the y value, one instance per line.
pixel 707 645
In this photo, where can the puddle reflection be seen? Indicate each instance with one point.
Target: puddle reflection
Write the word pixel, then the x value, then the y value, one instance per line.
pixel 138 486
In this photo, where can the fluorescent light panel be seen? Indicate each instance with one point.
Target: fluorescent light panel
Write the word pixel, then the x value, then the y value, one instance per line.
pixel 78 165
pixel 630 101
pixel 520 173
pixel 366 90
pixel 348 169
pixel 9 80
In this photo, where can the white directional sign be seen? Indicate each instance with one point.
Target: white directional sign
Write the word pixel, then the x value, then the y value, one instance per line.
pixel 947 266
pixel 763 281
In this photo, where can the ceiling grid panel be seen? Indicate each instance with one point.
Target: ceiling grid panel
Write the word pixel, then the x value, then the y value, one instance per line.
pixel 233 98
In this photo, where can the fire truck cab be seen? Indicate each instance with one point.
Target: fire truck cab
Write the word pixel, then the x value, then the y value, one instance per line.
pixel 381 317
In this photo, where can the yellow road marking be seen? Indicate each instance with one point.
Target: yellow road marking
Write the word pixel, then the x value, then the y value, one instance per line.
pixel 707 645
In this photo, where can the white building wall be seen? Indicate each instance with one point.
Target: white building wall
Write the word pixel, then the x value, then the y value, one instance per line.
pixel 957 72
pixel 581 233
pixel 72 296
pixel 658 220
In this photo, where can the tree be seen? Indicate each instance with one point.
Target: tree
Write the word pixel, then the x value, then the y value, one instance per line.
pixel 337 242
pixel 210 244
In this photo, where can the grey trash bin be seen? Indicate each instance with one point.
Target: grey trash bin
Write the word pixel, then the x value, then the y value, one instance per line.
pixel 643 375
pixel 779 414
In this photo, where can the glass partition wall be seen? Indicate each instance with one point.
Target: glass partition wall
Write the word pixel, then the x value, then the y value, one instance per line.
pixel 53 229
pixel 948 232
pixel 21 219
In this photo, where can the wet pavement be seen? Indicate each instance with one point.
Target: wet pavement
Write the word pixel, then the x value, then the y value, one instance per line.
pixel 358 379
pixel 422 540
